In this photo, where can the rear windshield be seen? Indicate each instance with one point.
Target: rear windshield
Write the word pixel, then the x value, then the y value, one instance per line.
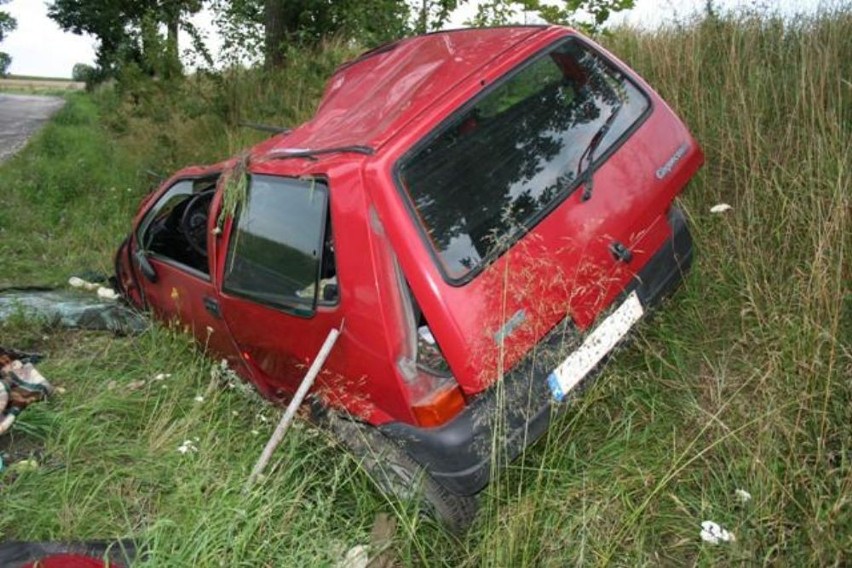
pixel 497 166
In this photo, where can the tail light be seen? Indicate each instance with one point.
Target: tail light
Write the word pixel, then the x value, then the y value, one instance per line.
pixel 440 406
pixel 435 395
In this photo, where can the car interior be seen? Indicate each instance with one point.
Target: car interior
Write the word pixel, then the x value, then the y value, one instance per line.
pixel 177 229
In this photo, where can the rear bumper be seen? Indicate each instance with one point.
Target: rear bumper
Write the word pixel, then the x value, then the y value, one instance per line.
pixel 459 455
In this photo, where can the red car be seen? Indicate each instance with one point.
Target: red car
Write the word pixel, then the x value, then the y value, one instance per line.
pixel 489 211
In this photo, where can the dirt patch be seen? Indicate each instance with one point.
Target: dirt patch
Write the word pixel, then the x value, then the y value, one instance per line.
pixel 16 446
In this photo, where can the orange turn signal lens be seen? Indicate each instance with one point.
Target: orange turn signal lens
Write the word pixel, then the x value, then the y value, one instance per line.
pixel 439 407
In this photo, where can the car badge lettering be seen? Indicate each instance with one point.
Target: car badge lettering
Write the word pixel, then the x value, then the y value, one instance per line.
pixel 667 168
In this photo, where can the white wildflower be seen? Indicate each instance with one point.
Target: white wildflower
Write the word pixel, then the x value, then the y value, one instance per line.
pixel 720 208
pixel 713 533
pixel 224 374
pixel 743 495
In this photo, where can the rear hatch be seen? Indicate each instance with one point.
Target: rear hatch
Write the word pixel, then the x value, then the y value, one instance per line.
pixel 541 199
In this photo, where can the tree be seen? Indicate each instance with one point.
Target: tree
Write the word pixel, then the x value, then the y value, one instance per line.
pixel 82 72
pixel 307 22
pixel 500 12
pixel 270 27
pixel 431 15
pixel 128 30
pixel 5 62
pixel 7 25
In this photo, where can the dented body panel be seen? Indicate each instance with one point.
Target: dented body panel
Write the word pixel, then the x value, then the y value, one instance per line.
pixel 423 346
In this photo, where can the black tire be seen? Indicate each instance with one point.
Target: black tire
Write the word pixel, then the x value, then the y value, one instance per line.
pixel 396 474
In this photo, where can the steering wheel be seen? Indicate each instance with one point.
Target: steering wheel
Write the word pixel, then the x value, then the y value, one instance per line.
pixel 193 222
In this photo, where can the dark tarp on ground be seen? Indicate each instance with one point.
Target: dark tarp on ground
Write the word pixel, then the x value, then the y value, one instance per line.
pixel 73 309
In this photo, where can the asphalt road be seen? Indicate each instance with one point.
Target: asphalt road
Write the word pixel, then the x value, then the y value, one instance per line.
pixel 20 117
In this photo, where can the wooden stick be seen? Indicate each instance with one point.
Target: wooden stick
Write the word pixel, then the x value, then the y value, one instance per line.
pixel 284 424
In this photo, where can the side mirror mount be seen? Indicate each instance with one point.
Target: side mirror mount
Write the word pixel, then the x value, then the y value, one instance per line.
pixel 329 292
pixel 145 266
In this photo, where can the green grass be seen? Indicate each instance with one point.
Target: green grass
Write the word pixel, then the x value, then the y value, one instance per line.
pixel 743 381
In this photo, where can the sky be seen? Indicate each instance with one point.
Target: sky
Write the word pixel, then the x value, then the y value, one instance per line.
pixel 38 47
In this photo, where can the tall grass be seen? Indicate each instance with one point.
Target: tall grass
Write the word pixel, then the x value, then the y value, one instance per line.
pixel 743 381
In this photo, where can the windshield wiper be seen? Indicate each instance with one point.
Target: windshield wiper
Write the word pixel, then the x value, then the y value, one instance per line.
pixel 589 152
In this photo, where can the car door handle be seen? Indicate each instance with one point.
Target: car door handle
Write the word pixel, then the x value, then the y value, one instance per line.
pixel 212 306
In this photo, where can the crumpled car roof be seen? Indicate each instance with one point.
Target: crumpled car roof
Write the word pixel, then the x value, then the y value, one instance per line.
pixel 369 99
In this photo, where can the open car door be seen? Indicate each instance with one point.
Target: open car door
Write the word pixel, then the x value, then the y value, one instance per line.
pixel 174 255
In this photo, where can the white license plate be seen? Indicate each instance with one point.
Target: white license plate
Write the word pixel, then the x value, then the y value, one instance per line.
pixel 596 345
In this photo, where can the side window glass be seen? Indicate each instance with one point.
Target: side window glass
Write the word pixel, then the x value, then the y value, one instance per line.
pixel 175 227
pixel 280 248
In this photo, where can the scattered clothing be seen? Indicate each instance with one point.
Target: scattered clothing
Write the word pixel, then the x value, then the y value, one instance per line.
pixel 20 385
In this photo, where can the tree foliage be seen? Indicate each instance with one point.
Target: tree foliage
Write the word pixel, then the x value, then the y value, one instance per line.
pixel 7 24
pixel 251 28
pixel 268 28
pixel 431 15
pixel 128 30
pixel 82 72
pixel 588 15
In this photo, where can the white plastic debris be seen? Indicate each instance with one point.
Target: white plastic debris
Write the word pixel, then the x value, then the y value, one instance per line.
pixel 743 495
pixel 77 282
pixel 24 466
pixel 107 293
pixel 162 376
pixel 199 398
pixel 187 447
pixel 720 208
pixel 356 557
pixel 426 334
pixel 713 533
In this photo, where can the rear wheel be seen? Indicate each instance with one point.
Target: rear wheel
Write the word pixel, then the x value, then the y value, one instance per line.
pixel 397 474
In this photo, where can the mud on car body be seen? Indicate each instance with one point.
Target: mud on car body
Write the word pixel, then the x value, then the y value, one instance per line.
pixel 490 211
